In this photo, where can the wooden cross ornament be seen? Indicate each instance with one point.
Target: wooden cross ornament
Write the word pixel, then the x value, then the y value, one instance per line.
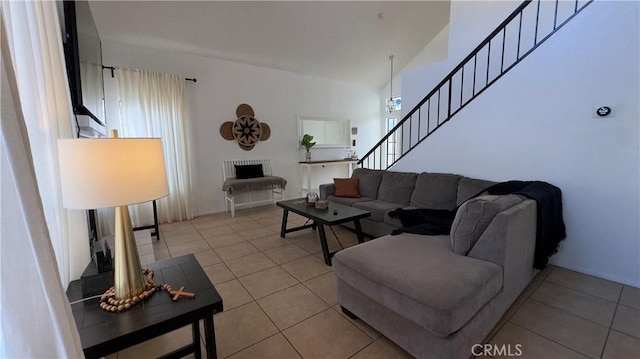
pixel 180 292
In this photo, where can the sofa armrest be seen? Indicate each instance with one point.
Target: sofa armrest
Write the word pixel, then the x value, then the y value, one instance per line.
pixel 327 190
pixel 509 241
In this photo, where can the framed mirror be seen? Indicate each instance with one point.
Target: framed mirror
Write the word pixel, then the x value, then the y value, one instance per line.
pixel 327 132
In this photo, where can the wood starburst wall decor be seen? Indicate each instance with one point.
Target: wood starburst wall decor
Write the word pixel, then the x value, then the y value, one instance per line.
pixel 245 130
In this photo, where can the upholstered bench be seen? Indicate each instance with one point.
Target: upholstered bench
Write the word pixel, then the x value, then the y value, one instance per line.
pixel 249 176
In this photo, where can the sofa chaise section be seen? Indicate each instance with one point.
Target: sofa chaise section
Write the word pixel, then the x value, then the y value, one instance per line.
pixel 431 300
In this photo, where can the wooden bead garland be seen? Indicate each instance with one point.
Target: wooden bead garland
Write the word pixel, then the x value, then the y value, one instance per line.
pixel 109 303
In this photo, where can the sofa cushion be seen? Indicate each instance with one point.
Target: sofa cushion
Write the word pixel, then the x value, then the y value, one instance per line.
pixel 473 218
pixel 469 187
pixel 347 187
pixel 421 279
pixel 348 201
pixel 435 191
pixel 397 187
pixel 377 207
pixel 369 181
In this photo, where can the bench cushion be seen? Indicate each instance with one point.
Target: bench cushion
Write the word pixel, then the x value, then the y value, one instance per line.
pixel 233 186
pixel 421 279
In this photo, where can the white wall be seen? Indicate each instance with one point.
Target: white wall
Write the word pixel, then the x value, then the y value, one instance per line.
pixel 420 81
pixel 538 123
pixel 276 97
pixel 433 54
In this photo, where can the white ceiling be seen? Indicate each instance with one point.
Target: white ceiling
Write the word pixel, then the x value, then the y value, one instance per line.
pixel 346 41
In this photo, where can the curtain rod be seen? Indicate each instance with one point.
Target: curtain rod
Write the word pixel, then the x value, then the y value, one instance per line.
pixel 113 75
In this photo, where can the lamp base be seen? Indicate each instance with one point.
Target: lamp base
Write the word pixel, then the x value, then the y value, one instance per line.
pixel 111 303
pixel 127 280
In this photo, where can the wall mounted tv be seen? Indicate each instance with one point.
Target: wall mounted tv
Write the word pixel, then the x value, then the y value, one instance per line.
pixel 83 57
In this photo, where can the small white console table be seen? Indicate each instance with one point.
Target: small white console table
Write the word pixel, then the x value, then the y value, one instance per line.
pixel 306 185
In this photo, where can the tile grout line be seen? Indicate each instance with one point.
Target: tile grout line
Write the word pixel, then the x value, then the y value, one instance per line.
pixel 352 322
pixel 544 336
pixel 575 315
pixel 293 346
pixel 606 340
pixel 370 344
pixel 549 339
pixel 225 265
pixel 324 301
pixel 263 312
pixel 294 324
pixel 278 291
pixel 583 292
pixel 497 331
pixel 628 307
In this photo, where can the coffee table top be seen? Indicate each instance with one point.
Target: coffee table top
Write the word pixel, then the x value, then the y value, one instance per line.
pixel 335 213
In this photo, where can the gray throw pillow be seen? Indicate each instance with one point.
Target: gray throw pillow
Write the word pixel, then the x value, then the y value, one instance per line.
pixel 473 218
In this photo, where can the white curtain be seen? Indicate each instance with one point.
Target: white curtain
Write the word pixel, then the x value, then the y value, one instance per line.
pixel 35 44
pixel 35 316
pixel 154 105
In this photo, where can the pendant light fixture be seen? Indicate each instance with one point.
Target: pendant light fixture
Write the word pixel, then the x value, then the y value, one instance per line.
pixel 390 103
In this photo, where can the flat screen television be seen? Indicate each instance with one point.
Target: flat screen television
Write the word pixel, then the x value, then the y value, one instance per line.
pixel 83 57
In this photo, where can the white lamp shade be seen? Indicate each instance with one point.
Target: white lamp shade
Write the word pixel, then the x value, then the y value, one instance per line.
pixel 110 172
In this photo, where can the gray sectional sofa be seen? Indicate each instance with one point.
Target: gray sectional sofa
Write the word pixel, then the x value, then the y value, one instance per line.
pixel 435 296
pixel 384 191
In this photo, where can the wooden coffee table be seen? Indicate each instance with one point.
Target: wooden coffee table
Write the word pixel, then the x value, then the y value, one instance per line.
pixel 334 214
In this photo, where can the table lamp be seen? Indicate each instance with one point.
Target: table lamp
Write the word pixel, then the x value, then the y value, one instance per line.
pixel 114 172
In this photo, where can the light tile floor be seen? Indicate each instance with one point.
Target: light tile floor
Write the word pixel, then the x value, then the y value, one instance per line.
pixel 280 299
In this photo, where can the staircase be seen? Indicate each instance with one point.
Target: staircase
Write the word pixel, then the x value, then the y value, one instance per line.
pixel 530 25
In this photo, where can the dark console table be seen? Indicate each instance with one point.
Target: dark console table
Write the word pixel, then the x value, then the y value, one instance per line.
pixel 103 333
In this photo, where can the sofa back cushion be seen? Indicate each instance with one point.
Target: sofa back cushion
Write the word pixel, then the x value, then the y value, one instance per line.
pixel 397 187
pixel 435 191
pixel 369 181
pixel 473 218
pixel 469 187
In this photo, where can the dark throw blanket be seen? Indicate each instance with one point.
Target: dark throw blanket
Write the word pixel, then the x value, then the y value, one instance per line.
pixel 423 221
pixel 550 230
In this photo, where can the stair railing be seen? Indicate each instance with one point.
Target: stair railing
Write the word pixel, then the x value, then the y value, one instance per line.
pixel 514 39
